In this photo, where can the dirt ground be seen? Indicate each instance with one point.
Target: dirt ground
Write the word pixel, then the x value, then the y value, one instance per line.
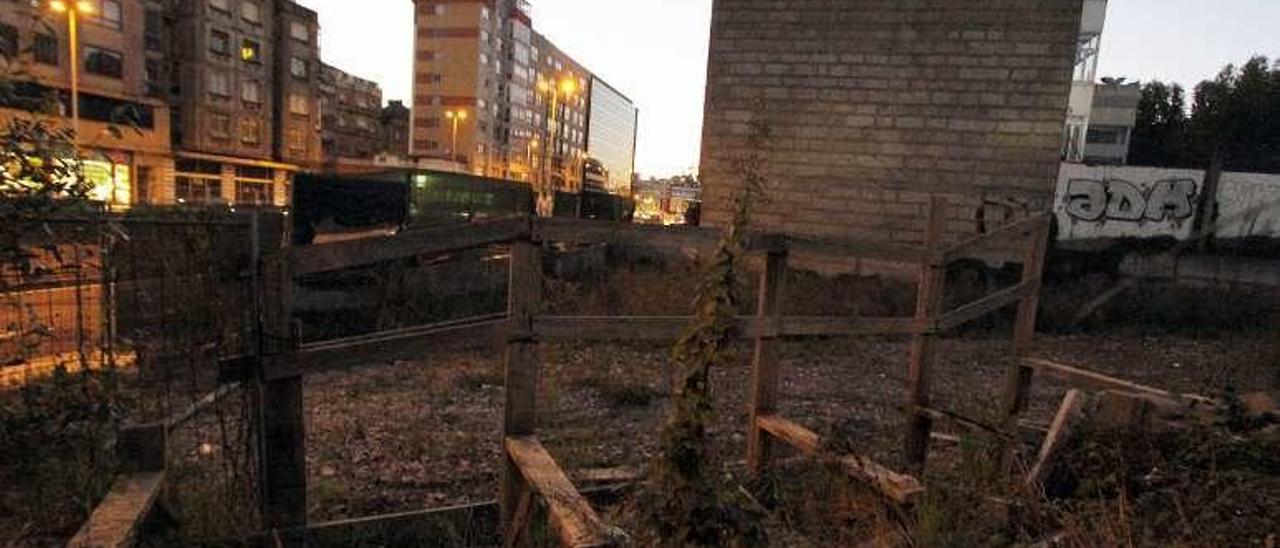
pixel 424 433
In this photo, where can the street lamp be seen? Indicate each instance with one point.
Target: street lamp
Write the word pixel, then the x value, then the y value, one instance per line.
pixel 568 86
pixel 456 117
pixel 73 9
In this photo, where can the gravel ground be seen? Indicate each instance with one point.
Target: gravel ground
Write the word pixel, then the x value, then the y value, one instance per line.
pixel 424 433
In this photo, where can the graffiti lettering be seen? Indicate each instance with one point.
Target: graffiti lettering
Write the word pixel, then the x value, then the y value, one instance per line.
pixel 1116 199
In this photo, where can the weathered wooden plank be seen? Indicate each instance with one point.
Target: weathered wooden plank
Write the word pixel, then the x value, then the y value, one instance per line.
pixel 1093 379
pixel 998 237
pixel 986 305
pixel 972 424
pixel 875 251
pixel 576 523
pixel 671 327
pixel 924 346
pixel 115 521
pixel 1017 389
pixel 337 256
pixel 1058 430
pixel 837 326
pixel 764 362
pixel 901 488
pixel 586 231
pixel 519 408
pixel 398 343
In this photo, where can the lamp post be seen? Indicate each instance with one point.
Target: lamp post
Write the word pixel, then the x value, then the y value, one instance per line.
pixel 73 9
pixel 568 86
pixel 455 116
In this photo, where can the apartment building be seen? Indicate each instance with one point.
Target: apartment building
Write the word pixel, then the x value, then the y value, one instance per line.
pixel 351 116
pixel 394 124
pixel 497 99
pixel 123 132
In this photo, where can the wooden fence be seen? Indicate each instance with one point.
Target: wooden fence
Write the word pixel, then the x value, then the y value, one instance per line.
pixel 274 372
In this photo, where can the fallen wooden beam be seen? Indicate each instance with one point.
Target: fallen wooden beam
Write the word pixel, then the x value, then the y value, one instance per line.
pixel 900 488
pixel 1001 235
pixel 1093 379
pixel 972 424
pixel 1057 436
pixel 115 521
pixel 984 306
pixel 571 515
pixel 337 256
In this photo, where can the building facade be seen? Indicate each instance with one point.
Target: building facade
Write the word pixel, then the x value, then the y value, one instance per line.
pixel 1093 20
pixel 865 120
pixel 497 99
pixel 223 94
pixel 394 124
pixel 1111 122
pixel 352 114
pixel 611 135
pixel 124 130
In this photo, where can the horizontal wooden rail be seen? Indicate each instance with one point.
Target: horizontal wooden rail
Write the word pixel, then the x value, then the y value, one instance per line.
pixel 383 345
pixel 571 515
pixel 901 488
pixel 984 306
pixel 434 241
pixel 876 251
pixel 671 327
pixel 1000 235
pixel 972 424
pixel 115 521
pixel 1093 379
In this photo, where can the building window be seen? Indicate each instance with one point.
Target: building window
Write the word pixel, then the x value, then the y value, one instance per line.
pixel 299 31
pixel 197 190
pixel 221 5
pixel 8 41
pixel 45 49
pixel 249 92
pixel 251 12
pixel 298 139
pixel 153 30
pixel 250 51
pixel 249 131
pixel 151 71
pixel 219 42
pixel 253 193
pixel 219 84
pixel 103 62
pixel 142 186
pixel 1104 136
pixel 298 67
pixel 484 59
pixel 109 14
pixel 298 104
pixel 219 126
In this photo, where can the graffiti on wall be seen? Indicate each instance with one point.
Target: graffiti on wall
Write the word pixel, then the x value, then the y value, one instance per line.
pixel 1092 200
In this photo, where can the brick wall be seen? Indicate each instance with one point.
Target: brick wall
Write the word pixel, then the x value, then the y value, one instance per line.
pixel 874 104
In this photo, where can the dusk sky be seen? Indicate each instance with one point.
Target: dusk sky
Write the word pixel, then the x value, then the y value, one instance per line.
pixel 655 51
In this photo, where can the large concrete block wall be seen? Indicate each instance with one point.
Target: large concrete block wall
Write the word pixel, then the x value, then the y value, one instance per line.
pixel 874 104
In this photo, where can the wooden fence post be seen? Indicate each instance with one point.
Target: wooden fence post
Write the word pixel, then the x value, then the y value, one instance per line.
pixel 764 366
pixel 1018 376
pixel 281 433
pixel 924 345
pixel 521 376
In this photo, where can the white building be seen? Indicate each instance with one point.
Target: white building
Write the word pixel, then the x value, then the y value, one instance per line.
pixel 1084 83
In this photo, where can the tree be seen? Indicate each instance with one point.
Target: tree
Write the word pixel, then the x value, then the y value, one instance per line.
pixel 1160 133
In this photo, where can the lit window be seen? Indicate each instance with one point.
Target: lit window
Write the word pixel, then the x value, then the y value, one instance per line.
pixel 249 51
pixel 298 139
pixel 222 5
pixel 251 12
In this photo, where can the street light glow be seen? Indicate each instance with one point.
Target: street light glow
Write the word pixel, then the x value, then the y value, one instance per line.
pixel 84 6
pixel 58 6
pixel 568 86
